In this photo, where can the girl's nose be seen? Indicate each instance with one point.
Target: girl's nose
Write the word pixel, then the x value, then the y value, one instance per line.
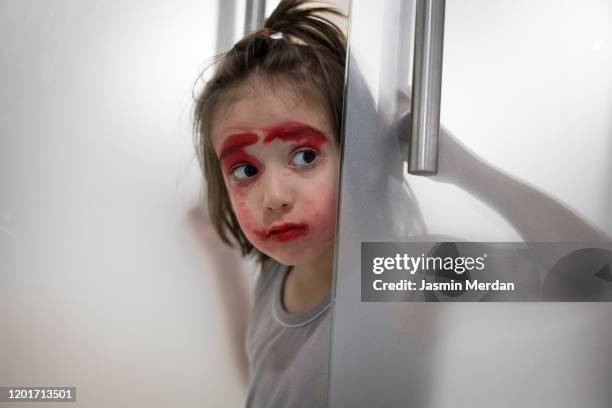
pixel 277 193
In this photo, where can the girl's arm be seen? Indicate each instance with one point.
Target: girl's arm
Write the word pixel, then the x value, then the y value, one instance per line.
pixel 231 281
pixel 535 215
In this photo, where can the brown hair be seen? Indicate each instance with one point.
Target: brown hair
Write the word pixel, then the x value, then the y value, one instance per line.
pixel 299 48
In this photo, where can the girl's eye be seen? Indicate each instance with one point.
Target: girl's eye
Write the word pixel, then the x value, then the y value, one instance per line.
pixel 244 172
pixel 304 158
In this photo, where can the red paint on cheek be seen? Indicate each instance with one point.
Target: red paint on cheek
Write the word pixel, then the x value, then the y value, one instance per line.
pixel 296 132
pixel 319 218
pixel 245 219
pixel 323 214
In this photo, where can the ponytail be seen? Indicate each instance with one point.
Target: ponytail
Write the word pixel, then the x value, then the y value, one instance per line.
pixel 309 25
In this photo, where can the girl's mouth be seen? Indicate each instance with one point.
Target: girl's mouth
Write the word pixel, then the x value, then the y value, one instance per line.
pixel 287 232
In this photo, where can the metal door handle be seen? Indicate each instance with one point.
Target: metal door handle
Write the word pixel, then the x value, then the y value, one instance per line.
pixel 426 87
pixel 254 15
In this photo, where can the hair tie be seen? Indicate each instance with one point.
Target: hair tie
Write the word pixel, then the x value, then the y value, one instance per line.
pixel 268 33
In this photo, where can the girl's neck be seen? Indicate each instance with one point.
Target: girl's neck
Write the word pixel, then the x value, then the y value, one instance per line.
pixel 306 285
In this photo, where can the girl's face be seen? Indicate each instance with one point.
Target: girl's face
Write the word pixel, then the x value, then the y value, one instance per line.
pixel 280 163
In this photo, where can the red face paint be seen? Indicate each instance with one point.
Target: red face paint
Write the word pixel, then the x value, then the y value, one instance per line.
pixel 284 232
pixel 287 231
pixel 237 142
pixel 288 235
pixel 296 132
pixel 300 230
pixel 232 153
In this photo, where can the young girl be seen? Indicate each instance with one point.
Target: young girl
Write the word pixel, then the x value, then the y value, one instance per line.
pixel 268 139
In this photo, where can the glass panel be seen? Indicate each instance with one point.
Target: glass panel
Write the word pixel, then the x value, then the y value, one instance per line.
pixel 524 156
pixel 103 286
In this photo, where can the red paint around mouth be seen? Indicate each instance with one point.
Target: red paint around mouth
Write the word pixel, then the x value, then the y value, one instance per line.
pixel 296 132
pixel 287 232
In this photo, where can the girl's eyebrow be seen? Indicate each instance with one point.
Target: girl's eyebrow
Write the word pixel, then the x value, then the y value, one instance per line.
pixel 237 142
pixel 295 131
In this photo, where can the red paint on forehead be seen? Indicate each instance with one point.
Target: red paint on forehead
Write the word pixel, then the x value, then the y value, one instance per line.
pixel 295 132
pixel 236 142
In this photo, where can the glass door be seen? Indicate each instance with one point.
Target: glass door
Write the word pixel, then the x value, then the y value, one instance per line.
pixel 523 158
